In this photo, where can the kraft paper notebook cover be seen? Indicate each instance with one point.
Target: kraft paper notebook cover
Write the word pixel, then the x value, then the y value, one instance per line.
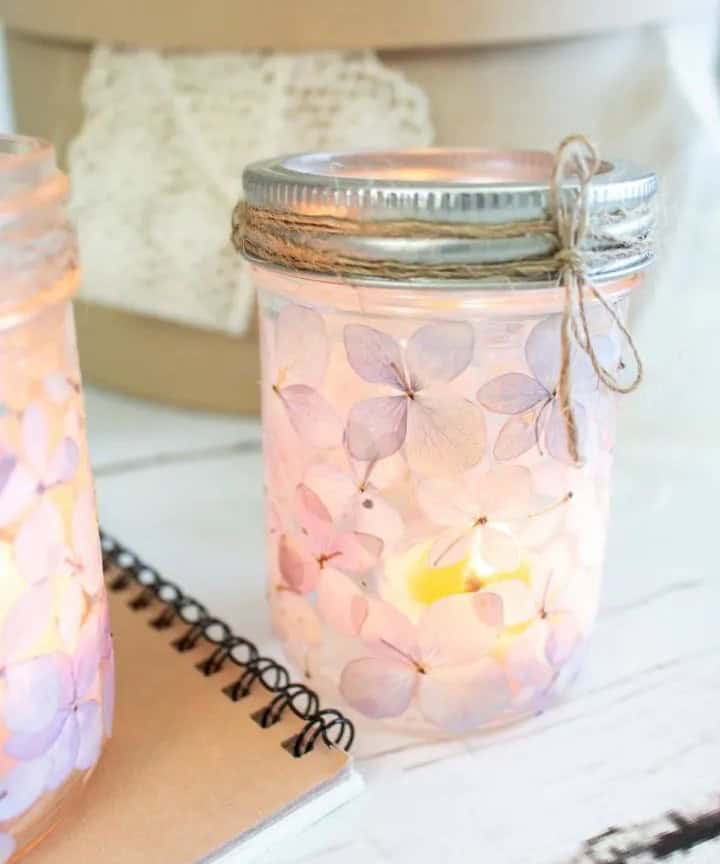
pixel 189 774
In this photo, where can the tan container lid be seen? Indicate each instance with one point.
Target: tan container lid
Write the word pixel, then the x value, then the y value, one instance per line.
pixel 317 24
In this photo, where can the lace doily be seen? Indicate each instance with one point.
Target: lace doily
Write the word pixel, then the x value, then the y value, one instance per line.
pixel 156 168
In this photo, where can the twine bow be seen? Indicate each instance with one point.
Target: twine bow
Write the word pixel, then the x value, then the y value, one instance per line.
pixel 576 163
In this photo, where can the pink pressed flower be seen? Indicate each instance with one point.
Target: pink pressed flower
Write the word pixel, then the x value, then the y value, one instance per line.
pixel 441 431
pixel 319 546
pixel 354 498
pixel 443 663
pixel 532 399
pixel 86 560
pixel 107 668
pixel 42 468
pixel 50 712
pixel 479 511
pixel 300 358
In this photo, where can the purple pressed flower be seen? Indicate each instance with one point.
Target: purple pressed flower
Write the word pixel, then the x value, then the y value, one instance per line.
pixel 441 431
pixel 51 710
pixel 532 399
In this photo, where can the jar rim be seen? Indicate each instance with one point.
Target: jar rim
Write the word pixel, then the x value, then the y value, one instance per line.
pixel 491 207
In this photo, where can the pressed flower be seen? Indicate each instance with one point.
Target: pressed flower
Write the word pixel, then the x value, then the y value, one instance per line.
pixel 443 663
pixel 440 430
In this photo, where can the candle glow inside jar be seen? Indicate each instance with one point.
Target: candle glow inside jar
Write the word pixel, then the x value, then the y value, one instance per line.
pixel 435 527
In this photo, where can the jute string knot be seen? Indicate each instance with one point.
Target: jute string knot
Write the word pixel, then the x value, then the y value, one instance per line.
pixel 576 163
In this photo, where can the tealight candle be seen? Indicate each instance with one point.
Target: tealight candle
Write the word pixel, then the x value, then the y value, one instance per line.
pixel 56 698
pixel 442 347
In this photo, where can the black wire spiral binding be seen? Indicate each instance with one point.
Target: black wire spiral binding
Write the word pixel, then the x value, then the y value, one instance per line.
pixel 125 570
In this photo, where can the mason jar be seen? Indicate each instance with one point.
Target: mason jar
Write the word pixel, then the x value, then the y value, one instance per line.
pixel 56 660
pixel 436 508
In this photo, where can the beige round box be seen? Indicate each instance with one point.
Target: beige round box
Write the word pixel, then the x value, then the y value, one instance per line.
pixel 492 71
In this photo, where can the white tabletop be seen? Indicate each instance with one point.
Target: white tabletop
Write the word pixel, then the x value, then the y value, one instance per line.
pixel 637 736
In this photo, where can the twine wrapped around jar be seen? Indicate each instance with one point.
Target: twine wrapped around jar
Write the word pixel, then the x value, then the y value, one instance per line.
pixel 299 241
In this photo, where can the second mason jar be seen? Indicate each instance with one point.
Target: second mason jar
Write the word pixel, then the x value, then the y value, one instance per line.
pixel 442 332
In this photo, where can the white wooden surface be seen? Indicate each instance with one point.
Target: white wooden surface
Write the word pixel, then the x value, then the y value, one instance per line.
pixel 638 735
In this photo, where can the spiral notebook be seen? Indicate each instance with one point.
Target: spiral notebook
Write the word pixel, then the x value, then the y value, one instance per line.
pixel 215 754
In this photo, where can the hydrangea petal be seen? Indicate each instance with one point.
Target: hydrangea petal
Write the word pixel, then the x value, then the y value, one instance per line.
pixel 314 519
pixel 297 567
pixel 86 544
pixel 21 787
pixel 517 436
pixel 379 687
pixel 377 427
pixel 61 758
pixel 312 417
pixel 26 622
pixel 17 492
pixel 333 486
pixel 460 698
pixel 340 603
pixel 445 434
pixel 71 609
pixel 542 351
pixel 39 549
pixel 388 632
pixel 503 493
pixel 447 501
pixel 356 552
pixel 371 514
pixel 512 393
pixel 563 637
pixel 375 356
pixel 499 548
pixel 35 436
pixel 7 847
pixel 90 734
pixel 452 632
pixel 301 346
pixel 438 353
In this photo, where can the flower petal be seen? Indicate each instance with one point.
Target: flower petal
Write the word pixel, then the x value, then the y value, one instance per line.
pixel 86 544
pixel 372 514
pixel 35 436
pixel 516 436
pixel 21 787
pixel 438 353
pixel 379 687
pixel 542 351
pixel 71 609
pixel 489 608
pixel 334 487
pixel 512 393
pixel 7 847
pixel 340 603
pixel 517 599
pixel 451 547
pixel 377 427
pixel 556 438
pixel 526 664
pixel 297 567
pixel 460 698
pixel 57 387
pixel 389 632
pixel 17 492
pixel 375 356
pixel 294 619
pixel 312 417
pixel 86 660
pixel 26 622
pixel 39 549
pixel 356 552
pixel 301 346
pixel 563 637
pixel 452 632
pixel 499 548
pixel 314 520
pixel 36 692
pixel 62 756
pixel 503 493
pixel 90 729
pixel 447 501
pixel 445 434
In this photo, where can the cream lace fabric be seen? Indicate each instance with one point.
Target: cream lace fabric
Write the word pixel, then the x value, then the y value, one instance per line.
pixel 156 167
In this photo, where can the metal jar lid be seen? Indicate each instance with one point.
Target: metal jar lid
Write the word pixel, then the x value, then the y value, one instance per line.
pixel 454 187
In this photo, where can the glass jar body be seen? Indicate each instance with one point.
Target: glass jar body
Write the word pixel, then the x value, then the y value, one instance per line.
pixel 56 698
pixel 435 553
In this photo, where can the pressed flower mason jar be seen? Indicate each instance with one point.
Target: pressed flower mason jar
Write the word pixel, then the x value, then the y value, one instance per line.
pixel 435 550
pixel 56 660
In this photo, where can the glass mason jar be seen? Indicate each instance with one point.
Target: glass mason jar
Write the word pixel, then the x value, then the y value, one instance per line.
pixel 56 660
pixel 435 544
